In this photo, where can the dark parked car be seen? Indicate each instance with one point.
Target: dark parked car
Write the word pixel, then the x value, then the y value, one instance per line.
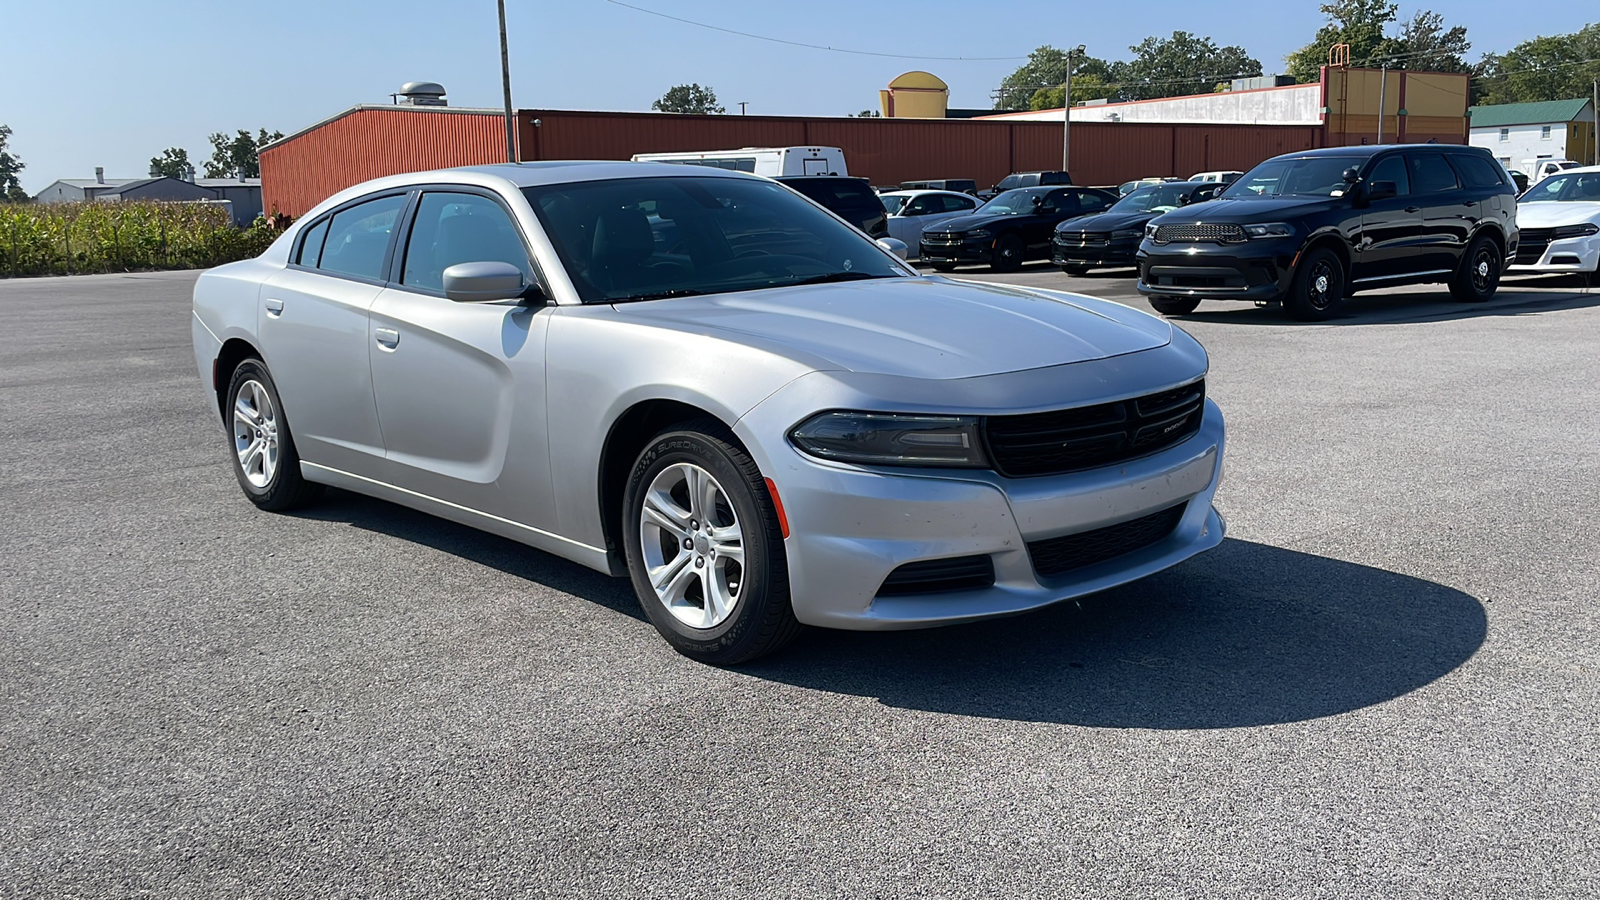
pixel 1026 179
pixel 1112 237
pixel 852 199
pixel 1307 229
pixel 1010 229
pixel 959 185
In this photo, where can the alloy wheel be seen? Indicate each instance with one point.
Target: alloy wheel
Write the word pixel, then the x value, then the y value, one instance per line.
pixel 255 433
pixel 693 545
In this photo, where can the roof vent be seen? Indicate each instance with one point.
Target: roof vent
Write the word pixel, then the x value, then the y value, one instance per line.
pixel 420 93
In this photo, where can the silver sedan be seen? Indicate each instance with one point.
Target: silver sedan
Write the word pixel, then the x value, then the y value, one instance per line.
pixel 708 384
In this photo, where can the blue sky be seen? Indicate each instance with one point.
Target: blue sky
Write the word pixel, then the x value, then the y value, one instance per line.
pixel 99 83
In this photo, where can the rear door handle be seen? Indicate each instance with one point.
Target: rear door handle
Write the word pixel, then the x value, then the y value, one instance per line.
pixel 388 338
pixel 274 308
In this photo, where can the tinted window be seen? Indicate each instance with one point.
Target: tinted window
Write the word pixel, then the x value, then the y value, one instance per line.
pixel 892 203
pixel 1054 178
pixel 358 237
pixel 1430 173
pixel 1093 202
pixel 311 247
pixel 641 238
pixel 1008 182
pixel 1311 176
pixel 1060 201
pixel 1566 188
pixel 957 204
pixel 921 206
pixel 1476 172
pixel 1014 202
pixel 458 228
pixel 1392 168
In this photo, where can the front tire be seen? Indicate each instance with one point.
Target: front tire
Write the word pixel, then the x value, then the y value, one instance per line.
pixel 704 548
pixel 1479 275
pixel 1317 288
pixel 1175 306
pixel 264 457
pixel 943 267
pixel 1007 254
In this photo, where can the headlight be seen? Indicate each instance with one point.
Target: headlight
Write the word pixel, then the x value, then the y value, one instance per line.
pixel 1269 230
pixel 892 440
pixel 1130 234
pixel 1572 231
pixel 978 233
pixel 1150 231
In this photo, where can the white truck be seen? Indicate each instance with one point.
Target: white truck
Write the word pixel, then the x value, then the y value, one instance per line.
pixel 769 161
pixel 1542 167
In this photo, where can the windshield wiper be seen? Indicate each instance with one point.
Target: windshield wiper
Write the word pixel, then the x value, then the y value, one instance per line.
pixel 657 295
pixel 833 277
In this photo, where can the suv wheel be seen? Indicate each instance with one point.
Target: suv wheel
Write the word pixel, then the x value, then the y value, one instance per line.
pixel 1175 306
pixel 1317 288
pixel 1479 275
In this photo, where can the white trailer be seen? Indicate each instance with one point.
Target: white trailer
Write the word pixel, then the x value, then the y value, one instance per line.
pixel 769 161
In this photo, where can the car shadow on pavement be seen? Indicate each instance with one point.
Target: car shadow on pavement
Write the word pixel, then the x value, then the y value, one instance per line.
pixel 508 556
pixel 1245 635
pixel 1410 307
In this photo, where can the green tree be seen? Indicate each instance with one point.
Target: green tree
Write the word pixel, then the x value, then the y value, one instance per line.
pixel 238 156
pixel 1182 64
pixel 866 114
pixel 1046 70
pixel 689 98
pixel 1359 23
pixel 1559 67
pixel 10 186
pixel 173 163
pixel 1431 46
pixel 1085 86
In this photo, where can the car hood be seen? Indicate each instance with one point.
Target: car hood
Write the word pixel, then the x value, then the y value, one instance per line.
pixel 915 327
pixel 1107 222
pixel 1552 214
pixel 970 221
pixel 1254 210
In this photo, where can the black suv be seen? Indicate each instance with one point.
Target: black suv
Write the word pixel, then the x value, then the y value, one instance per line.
pixel 1111 239
pixel 851 199
pixel 1307 229
pixel 1010 229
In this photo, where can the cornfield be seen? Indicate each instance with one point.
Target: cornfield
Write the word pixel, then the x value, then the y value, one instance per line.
pixel 83 238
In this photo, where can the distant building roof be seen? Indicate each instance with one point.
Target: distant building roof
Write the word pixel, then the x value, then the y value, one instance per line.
pixel 1542 112
pixel 124 186
pixel 227 182
pixel 90 182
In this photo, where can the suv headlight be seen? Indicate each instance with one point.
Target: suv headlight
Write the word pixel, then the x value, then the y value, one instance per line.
pixel 1572 231
pixel 978 233
pixel 1150 231
pixel 1269 230
pixel 1128 234
pixel 891 439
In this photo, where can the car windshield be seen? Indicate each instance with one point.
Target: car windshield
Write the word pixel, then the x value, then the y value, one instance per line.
pixel 1017 202
pixel 1153 198
pixel 1312 176
pixel 1567 187
pixel 650 238
pixel 892 203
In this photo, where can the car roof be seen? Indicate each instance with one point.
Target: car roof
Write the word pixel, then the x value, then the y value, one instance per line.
pixel 918 192
pixel 1363 151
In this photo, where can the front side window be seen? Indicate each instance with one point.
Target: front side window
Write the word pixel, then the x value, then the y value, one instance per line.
pixel 1430 173
pixel 651 238
pixel 358 237
pixel 892 203
pixel 1311 176
pixel 1392 169
pixel 452 228
pixel 1157 198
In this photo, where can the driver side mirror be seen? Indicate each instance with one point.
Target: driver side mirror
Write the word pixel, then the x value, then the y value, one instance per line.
pixel 483 282
pixel 895 246
pixel 1381 190
pixel 1352 175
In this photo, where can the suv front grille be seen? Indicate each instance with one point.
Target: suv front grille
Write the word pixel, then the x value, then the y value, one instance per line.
pixel 1532 244
pixel 1071 440
pixel 1057 556
pixel 1226 234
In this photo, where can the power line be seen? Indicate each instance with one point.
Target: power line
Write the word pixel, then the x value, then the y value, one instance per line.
pixel 762 37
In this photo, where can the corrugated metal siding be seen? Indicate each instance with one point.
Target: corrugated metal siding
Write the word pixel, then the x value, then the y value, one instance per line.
pixel 301 172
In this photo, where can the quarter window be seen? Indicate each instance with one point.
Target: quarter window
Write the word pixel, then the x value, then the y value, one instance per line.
pixel 1476 172
pixel 311 246
pixel 1430 173
pixel 454 228
pixel 358 237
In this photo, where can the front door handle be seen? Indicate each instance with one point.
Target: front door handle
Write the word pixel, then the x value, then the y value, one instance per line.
pixel 274 308
pixel 1413 209
pixel 387 338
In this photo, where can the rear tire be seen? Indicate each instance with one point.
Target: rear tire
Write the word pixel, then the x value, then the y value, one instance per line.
pixel 1317 288
pixel 1479 274
pixel 717 552
pixel 1007 254
pixel 1175 306
pixel 264 457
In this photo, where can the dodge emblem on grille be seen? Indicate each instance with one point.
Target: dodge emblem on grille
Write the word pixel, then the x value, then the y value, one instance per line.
pixel 1175 426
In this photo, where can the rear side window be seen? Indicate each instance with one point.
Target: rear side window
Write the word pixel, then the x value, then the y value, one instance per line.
pixel 1392 168
pixel 311 245
pixel 358 237
pixel 1430 173
pixel 957 204
pixel 1477 172
pixel 1094 202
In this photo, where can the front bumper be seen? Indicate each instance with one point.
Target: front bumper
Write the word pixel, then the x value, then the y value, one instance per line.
pixel 1254 270
pixel 1579 254
pixel 851 526
pixel 1119 254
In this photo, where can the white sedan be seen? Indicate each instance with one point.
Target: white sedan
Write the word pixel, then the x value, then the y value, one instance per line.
pixel 1559 220
pixel 911 212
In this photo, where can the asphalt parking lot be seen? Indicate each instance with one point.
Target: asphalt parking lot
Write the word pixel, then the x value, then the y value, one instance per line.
pixel 1383 684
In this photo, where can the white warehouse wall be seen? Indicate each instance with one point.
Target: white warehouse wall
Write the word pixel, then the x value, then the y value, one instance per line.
pixel 1299 104
pixel 1522 142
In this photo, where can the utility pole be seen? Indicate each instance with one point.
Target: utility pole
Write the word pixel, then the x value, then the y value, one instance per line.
pixel 1383 97
pixel 1066 110
pixel 1594 126
pixel 505 82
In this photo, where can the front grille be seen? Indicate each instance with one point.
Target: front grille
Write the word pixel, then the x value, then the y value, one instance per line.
pixel 1071 440
pixel 1226 234
pixel 964 573
pixel 1082 239
pixel 1533 243
pixel 1057 556
pixel 942 237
